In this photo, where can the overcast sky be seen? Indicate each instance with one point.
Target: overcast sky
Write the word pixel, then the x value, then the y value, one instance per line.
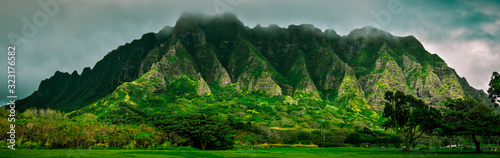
pixel 69 35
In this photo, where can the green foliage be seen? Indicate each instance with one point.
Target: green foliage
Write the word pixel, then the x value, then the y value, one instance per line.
pixel 470 117
pixel 47 129
pixel 368 137
pixel 357 138
pixel 366 58
pixel 203 131
pixel 182 88
pixel 494 90
pixel 4 144
pixel 410 116
pixel 29 145
pixel 395 140
pixel 99 146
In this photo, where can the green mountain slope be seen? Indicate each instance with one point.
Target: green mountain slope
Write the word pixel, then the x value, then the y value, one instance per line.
pixel 279 77
pixel 70 92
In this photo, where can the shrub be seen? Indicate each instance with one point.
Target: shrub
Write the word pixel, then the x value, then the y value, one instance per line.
pixel 29 145
pixel 424 148
pixel 47 145
pixel 263 146
pixel 131 146
pixel 99 146
pixel 165 146
pixel 357 138
pixel 3 144
pixel 395 140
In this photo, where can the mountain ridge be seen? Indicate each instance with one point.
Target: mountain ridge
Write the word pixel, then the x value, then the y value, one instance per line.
pixel 300 61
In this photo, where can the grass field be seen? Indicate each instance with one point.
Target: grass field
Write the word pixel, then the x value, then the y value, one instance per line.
pixel 272 152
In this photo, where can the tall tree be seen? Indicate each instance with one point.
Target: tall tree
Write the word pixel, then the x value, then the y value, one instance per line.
pixel 409 116
pixel 470 117
pixel 203 131
pixel 494 90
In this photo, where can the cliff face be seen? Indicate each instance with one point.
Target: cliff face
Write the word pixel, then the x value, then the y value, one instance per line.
pixel 201 54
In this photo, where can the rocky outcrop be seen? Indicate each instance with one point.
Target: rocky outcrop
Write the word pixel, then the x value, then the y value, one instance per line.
pixel 350 93
pixel 251 71
pixel 301 80
pixel 386 75
pixel 202 86
pixel 328 72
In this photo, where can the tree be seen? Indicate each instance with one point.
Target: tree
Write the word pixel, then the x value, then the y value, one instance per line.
pixel 494 90
pixel 409 116
pixel 469 117
pixel 203 131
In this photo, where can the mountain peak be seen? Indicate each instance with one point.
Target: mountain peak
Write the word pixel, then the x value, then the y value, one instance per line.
pixel 330 33
pixel 199 17
pixel 226 23
pixel 185 16
pixel 368 32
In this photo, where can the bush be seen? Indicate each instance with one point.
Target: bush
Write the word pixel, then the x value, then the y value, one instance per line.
pixel 395 140
pixel 357 138
pixel 175 139
pixel 424 148
pixel 99 146
pixel 3 145
pixel 130 146
pixel 263 146
pixel 47 145
pixel 29 145
pixel 41 147
pixel 165 146
pixel 317 132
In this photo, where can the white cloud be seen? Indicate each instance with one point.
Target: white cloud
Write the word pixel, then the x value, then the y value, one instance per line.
pixel 457 33
pixel 492 28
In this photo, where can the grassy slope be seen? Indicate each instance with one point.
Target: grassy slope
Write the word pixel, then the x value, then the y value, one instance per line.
pixel 272 152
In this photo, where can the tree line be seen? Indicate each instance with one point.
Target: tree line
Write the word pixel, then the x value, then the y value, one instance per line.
pixel 472 117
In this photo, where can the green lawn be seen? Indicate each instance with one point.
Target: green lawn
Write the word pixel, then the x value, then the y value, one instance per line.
pixel 273 152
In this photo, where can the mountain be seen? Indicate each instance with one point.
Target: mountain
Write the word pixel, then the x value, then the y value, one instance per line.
pixel 69 92
pixel 217 65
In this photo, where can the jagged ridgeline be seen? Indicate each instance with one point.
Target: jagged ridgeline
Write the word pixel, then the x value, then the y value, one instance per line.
pixel 216 61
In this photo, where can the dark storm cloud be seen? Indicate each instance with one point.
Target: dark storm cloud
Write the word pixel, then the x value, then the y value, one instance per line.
pixel 465 34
